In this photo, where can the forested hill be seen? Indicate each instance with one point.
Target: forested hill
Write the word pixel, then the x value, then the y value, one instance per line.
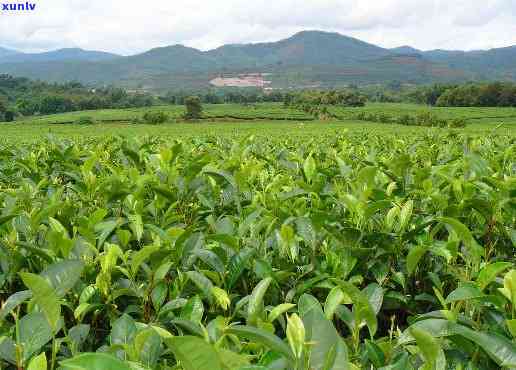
pixel 307 59
pixel 21 96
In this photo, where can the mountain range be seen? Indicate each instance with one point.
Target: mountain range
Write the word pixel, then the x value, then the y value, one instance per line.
pixel 307 59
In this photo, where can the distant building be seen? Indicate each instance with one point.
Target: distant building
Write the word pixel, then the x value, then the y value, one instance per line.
pixel 243 80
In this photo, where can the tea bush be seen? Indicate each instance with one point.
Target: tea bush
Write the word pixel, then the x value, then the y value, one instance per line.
pixel 363 251
pixel 155 118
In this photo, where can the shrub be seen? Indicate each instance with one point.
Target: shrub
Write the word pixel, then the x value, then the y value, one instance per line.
pixel 426 119
pixel 9 116
pixel 85 120
pixel 193 108
pixel 155 118
pixel 458 123
pixel 384 118
pixel 406 120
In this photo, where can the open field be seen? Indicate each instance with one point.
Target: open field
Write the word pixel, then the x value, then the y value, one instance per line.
pixel 270 111
pixel 257 244
pixel 273 130
pixel 470 113
pixel 276 111
pixel 234 120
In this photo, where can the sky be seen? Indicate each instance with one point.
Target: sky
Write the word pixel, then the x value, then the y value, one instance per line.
pixel 131 26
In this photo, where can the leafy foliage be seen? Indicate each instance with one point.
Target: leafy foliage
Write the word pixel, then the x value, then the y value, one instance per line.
pixel 352 251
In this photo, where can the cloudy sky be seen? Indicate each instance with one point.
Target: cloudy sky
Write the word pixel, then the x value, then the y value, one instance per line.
pixel 131 26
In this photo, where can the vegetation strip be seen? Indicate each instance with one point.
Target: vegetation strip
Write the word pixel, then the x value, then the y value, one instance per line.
pixel 351 251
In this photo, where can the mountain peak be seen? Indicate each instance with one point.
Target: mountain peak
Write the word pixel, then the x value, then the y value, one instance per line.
pixel 307 58
pixel 5 52
pixel 405 49
pixel 65 54
pixel 323 35
pixel 315 33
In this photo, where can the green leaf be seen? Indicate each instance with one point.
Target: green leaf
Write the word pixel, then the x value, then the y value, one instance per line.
pixel 328 351
pixel 263 337
pixel 287 242
pixel 463 233
pixel 366 177
pixel 334 299
pixel 44 296
pixel 255 307
pixel 63 275
pixel 38 362
pixel 375 354
pixel 194 353
pixel 78 334
pixel 8 350
pixel 214 172
pixel 296 334
pixel 310 168
pixel 35 332
pixel 97 361
pixel 430 348
pixel 158 295
pixel 105 229
pixel 279 310
pixel 400 364
pixel 84 308
pixel 14 301
pixel 414 256
pixel 221 298
pixel 465 292
pixel 500 349
pixel 405 215
pixel 237 265
pixel 193 310
pixel 211 259
pixel 361 306
pixel 231 360
pixel 123 330
pixel 190 327
pixel 374 293
pixel 56 226
pixel 147 344
pixel 375 207
pixel 162 271
pixel 489 273
pixel 136 226
pixel 509 287
pixel 435 327
pixel 141 256
pixel 5 219
pixel 203 283
pixel 511 325
pixel 391 216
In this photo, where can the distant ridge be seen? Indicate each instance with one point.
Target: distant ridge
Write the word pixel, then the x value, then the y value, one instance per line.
pixel 4 52
pixel 308 58
pixel 69 54
pixel 406 50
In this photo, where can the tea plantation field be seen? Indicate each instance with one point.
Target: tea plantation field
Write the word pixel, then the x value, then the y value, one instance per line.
pixel 257 243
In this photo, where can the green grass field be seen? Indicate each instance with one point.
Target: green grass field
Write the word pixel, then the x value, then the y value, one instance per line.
pixel 251 240
pixel 471 113
pixel 233 120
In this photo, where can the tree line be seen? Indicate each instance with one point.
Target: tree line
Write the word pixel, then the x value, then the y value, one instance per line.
pixel 222 96
pixel 21 96
pixel 347 98
pixel 492 94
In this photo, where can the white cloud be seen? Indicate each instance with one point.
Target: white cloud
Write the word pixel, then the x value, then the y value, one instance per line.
pixel 131 26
